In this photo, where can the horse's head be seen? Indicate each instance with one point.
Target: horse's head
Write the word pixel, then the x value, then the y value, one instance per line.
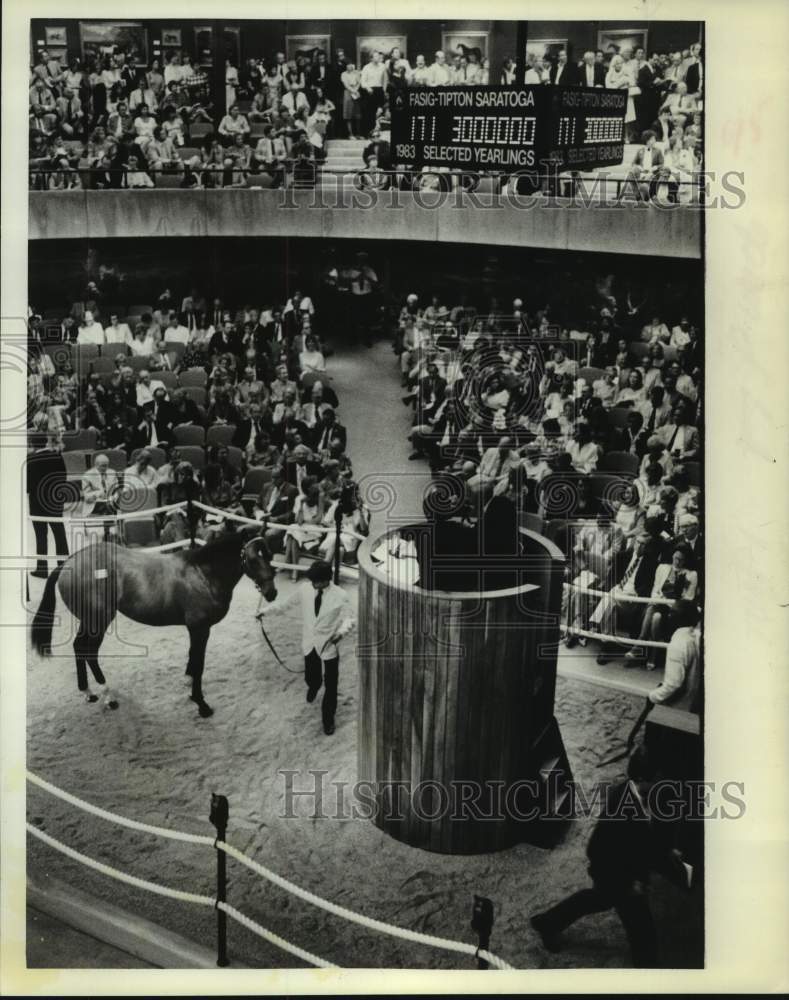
pixel 256 563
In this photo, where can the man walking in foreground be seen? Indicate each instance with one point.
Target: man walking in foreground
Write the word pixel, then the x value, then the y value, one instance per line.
pixel 625 845
pixel 326 618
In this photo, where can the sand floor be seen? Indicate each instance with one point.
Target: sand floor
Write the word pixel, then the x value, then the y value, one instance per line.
pixel 155 760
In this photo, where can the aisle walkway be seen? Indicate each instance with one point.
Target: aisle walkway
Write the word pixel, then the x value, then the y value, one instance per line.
pixel 367 382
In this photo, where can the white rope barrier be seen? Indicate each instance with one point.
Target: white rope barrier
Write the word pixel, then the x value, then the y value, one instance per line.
pixel 138 883
pixel 273 527
pixel 98 521
pixel 274 939
pixel 132 824
pixel 416 937
pixel 619 595
pixel 352 571
pixel 622 640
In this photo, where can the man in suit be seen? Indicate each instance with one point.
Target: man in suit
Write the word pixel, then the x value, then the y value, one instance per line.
pixel 99 486
pixel 656 411
pixel 562 72
pixel 632 438
pixel 326 617
pixel 46 479
pixel 328 429
pixel 590 73
pixel 633 579
pixel 679 436
pixel 648 82
pixel 300 464
pixel 256 420
pixel 627 843
pixel 648 166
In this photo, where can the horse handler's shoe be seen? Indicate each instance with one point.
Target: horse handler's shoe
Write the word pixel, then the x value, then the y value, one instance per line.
pixel 550 941
pixel 311 694
pixel 328 728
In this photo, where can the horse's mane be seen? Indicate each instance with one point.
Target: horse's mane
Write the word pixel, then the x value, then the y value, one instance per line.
pixel 216 550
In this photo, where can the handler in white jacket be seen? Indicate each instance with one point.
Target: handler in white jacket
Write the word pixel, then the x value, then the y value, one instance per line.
pixel 326 617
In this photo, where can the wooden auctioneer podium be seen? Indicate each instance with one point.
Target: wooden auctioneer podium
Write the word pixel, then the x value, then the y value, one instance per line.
pixel 457 735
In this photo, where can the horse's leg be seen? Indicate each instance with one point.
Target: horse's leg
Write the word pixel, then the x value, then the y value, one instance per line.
pixel 198 640
pixel 96 640
pixel 81 651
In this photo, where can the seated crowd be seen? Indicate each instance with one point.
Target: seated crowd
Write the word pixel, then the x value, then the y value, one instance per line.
pixel 232 408
pixel 106 123
pixel 590 430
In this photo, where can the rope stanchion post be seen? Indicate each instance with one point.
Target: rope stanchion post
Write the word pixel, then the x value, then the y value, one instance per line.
pixel 218 816
pixel 482 923
pixel 337 529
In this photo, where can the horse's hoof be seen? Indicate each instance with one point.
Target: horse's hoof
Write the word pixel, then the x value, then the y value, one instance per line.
pixel 92 698
pixel 112 704
pixel 205 710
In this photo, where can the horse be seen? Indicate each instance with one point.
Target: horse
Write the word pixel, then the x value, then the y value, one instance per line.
pixel 191 587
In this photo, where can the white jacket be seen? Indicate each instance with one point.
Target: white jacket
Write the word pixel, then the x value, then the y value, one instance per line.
pixel 335 618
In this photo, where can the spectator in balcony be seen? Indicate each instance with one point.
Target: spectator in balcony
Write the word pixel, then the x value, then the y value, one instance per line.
pixel 295 100
pixel 619 77
pixel 143 93
pixel 144 126
pixel 64 177
pixel 173 71
pixel 142 345
pixel 90 331
pixel 160 152
pixel 591 73
pixel 420 75
pixel 508 72
pixel 583 451
pixel 373 82
pixel 272 87
pixel 175 332
pixel 117 333
pixel 270 155
pixel 133 177
pixel 40 95
pixel 563 72
pixel 233 123
pixel 694 72
pixel 680 104
pixel 237 157
pixel 174 126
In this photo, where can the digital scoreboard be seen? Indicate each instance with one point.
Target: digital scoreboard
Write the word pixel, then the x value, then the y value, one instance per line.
pixel 508 129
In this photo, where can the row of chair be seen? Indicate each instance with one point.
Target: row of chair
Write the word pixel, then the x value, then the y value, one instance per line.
pixel 188 434
pixel 77 462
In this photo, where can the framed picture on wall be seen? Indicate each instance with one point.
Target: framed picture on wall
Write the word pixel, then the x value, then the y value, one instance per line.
pixel 232 44
pixel 204 45
pixel 171 38
pixel 307 45
pixel 55 37
pixel 545 48
pixel 453 42
pixel 99 38
pixel 367 44
pixel 614 41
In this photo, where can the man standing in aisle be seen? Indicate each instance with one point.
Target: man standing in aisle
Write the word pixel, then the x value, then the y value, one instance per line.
pixel 326 618
pixel 373 82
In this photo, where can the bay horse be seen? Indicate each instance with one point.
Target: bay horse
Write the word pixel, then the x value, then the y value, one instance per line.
pixel 191 587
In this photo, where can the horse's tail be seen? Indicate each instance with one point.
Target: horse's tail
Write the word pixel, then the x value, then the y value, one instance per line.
pixel 44 619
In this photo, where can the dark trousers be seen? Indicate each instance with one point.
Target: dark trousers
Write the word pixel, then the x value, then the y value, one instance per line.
pixel 372 102
pixel 317 671
pixel 632 909
pixel 61 543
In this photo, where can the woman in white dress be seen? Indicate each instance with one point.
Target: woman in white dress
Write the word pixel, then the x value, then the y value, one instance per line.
pixel 353 524
pixel 305 533
pixel 311 359
pixel 143 343
pixel 618 77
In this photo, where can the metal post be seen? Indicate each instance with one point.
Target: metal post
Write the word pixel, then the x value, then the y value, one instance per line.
pixel 337 528
pixel 482 923
pixel 190 521
pixel 218 816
